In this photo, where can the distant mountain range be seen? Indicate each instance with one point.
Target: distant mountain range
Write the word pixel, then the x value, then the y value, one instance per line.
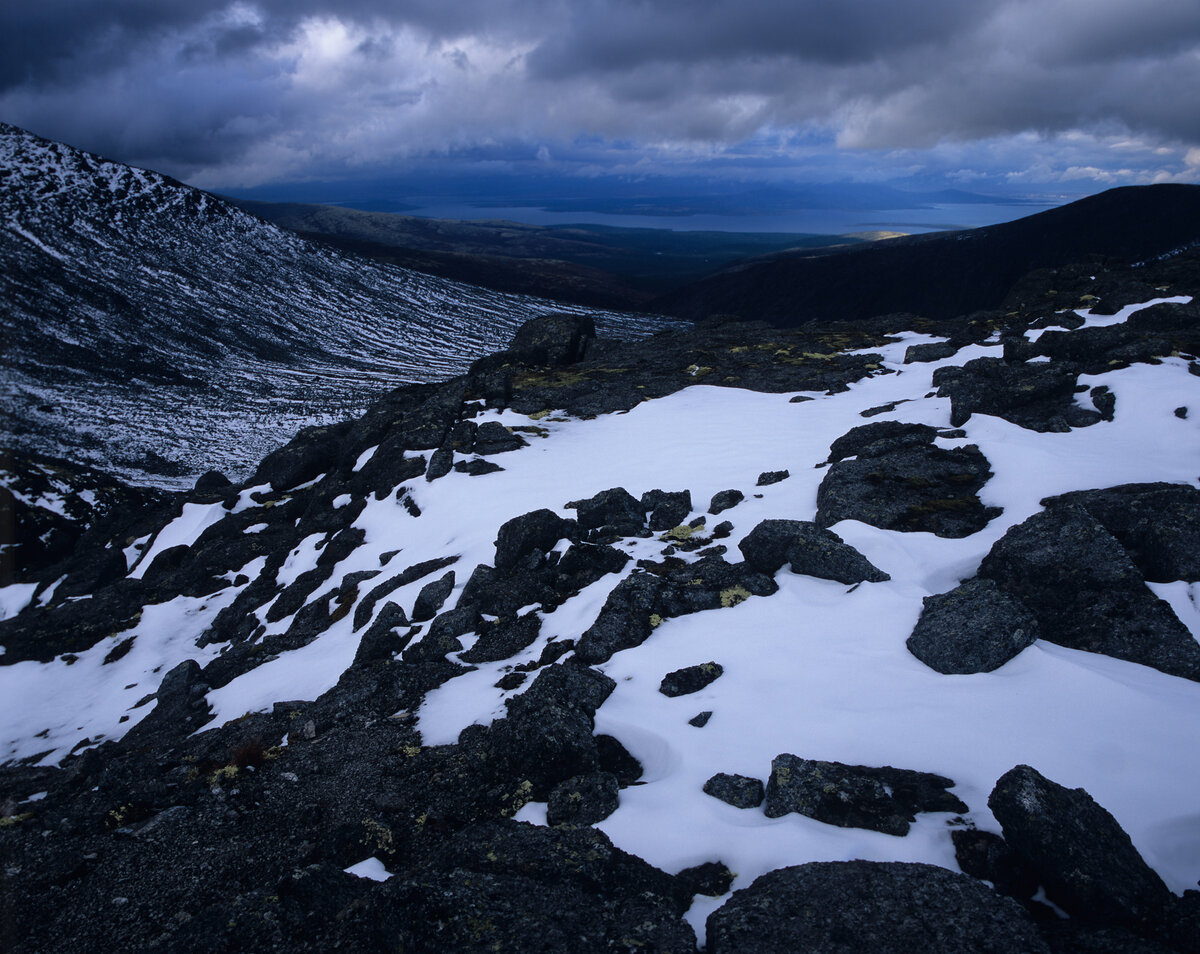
pixel 157 330
pixel 941 275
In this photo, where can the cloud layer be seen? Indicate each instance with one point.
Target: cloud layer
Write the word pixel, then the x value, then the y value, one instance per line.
pixel 992 91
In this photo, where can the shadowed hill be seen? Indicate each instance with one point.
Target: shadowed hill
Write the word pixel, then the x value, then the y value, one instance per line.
pixel 944 275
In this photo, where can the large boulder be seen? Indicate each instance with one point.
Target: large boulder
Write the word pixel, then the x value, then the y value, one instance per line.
pixel 1083 858
pixel 811 551
pixel 554 340
pixel 1086 593
pixel 868 907
pixel 912 487
pixel 973 628
pixel 610 514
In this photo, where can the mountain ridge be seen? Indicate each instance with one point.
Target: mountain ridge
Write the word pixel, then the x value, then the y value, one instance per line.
pixel 122 281
pixel 942 275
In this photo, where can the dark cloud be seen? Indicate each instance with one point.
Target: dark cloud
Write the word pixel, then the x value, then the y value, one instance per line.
pixel 250 90
pixel 612 35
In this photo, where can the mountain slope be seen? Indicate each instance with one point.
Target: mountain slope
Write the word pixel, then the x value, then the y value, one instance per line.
pixel 128 297
pixel 943 275
pixel 760 634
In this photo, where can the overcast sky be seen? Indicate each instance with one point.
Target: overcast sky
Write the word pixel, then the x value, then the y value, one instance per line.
pixel 1035 95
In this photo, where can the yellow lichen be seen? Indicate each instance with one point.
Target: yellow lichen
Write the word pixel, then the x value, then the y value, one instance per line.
pixel 734 595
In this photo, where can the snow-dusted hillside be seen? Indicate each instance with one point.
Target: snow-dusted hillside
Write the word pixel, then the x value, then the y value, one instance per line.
pixel 143 319
pixel 447 615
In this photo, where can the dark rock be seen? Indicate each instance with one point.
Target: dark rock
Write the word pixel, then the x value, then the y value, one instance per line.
pixel 520 536
pixel 855 796
pixel 1157 524
pixel 494 438
pixel 583 800
pixel 611 512
pixel 932 351
pixel 809 549
pixel 616 760
pixel 584 563
pixel 382 639
pixel 766 478
pixel 441 462
pixel 701 720
pixel 212 481
pixel 725 500
pixel 504 639
pixel 1083 858
pixel 690 679
pixel 312 452
pixel 366 606
pixel 554 340
pixel 477 467
pixel 872 440
pixel 667 509
pixel 711 879
pixel 180 707
pixel 740 791
pixel 913 488
pixel 1039 396
pixel 1086 593
pixel 644 599
pixel 973 628
pixel 431 598
pixel 1104 401
pixel 867 907
pixel 986 856
pixel 531 889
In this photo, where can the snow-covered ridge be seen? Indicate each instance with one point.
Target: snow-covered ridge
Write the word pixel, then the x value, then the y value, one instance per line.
pixel 126 297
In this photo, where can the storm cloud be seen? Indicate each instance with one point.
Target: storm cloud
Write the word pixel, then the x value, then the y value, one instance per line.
pixel 234 94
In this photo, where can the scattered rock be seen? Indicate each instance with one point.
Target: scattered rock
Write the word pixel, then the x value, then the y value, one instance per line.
pixel 700 720
pixel 766 478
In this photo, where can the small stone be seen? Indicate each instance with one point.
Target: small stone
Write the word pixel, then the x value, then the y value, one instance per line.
pixel 691 679
pixel 740 791
pixel 769 477
pixel 701 720
pixel 725 499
